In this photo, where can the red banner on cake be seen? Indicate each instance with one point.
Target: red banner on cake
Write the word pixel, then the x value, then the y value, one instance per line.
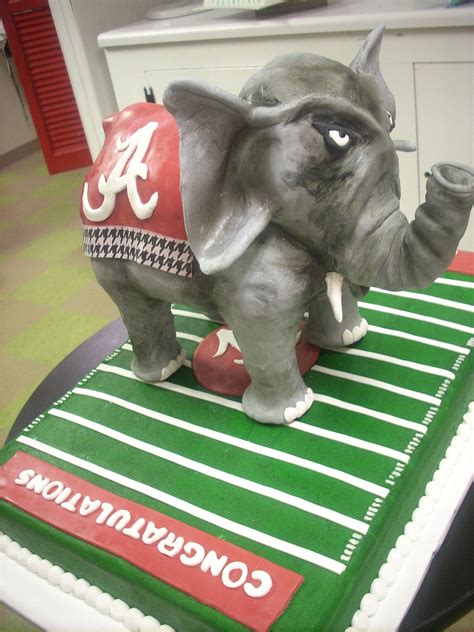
pixel 243 586
pixel 463 262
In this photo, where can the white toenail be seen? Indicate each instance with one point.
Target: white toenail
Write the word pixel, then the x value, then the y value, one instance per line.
pixel 347 337
pixel 290 414
pixel 300 408
pixel 173 365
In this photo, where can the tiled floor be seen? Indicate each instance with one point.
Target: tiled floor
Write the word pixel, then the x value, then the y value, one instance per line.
pixel 49 299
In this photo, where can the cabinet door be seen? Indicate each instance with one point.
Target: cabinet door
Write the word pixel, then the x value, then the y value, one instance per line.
pixel 444 100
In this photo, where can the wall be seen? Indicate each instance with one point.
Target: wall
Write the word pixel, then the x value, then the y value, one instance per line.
pixel 78 23
pixel 16 130
pixel 94 17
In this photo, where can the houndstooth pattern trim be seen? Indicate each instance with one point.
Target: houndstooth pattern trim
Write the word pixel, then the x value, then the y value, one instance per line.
pixel 149 249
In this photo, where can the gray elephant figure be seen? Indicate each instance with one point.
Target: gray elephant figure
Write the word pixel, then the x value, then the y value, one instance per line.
pixel 291 204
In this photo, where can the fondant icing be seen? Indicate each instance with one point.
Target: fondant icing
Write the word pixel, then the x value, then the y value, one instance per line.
pixel 291 203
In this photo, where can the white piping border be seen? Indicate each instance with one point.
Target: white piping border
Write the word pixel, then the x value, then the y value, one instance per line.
pixel 132 618
pixel 429 523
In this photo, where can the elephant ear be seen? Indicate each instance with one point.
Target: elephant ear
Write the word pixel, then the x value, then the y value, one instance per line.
pixel 367 61
pixel 222 216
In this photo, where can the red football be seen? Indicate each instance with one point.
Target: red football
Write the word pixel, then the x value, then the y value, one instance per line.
pixel 218 364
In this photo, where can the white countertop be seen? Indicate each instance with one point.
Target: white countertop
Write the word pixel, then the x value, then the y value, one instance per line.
pixel 339 15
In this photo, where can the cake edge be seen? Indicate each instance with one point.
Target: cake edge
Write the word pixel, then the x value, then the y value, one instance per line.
pixel 402 574
pixel 22 566
pixel 398 578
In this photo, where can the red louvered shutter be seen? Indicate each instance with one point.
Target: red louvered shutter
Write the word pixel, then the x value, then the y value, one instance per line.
pixel 35 47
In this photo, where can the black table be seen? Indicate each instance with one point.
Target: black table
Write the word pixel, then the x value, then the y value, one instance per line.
pixel 447 592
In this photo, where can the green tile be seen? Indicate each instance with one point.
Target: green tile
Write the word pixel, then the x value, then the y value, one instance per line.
pixel 39 169
pixel 31 165
pixel 12 622
pixel 8 177
pixel 16 272
pixel 18 375
pixel 15 316
pixel 54 246
pixel 5 223
pixel 20 236
pixel 20 210
pixel 52 338
pixel 92 300
pixel 61 184
pixel 8 415
pixel 55 285
pixel 9 198
pixel 57 213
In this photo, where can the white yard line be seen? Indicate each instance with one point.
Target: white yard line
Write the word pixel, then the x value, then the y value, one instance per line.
pixel 352 441
pixel 456 283
pixel 217 399
pixel 368 381
pixel 215 473
pixel 188 314
pixel 380 357
pixel 344 477
pixel 427 298
pixel 416 366
pixel 376 414
pixel 193 510
pixel 425 319
pixel 421 339
pixel 184 390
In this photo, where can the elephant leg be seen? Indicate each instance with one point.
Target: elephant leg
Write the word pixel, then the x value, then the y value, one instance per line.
pixel 156 352
pixel 149 322
pixel 323 330
pixel 277 393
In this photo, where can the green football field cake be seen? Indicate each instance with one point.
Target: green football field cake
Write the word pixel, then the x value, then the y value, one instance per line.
pixel 166 503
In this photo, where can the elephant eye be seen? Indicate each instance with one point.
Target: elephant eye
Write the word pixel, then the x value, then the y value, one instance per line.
pixel 337 139
pixel 340 137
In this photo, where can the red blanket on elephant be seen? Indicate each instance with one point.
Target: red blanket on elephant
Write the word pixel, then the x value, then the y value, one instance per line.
pixel 131 205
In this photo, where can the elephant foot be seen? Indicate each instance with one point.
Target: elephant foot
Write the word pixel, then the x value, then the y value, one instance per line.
pixel 159 373
pixel 338 335
pixel 323 330
pixel 275 410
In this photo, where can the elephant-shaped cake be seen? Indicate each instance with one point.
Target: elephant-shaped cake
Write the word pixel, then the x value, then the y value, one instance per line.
pixel 283 200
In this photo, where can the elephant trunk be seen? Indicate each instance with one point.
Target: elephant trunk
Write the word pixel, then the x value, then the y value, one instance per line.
pixel 395 254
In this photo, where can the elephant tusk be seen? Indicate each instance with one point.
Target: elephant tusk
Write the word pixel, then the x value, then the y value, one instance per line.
pixel 334 282
pixel 404 145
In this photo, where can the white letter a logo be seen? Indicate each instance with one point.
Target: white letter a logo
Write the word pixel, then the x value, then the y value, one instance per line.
pixel 124 176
